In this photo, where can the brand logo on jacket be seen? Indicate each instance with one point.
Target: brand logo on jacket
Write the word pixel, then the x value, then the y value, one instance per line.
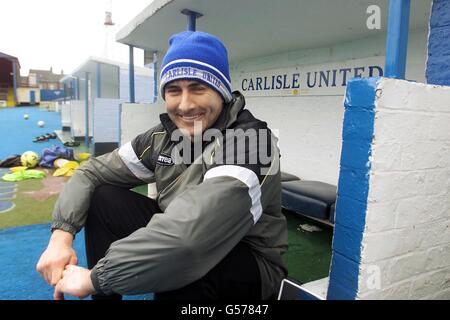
pixel 164 160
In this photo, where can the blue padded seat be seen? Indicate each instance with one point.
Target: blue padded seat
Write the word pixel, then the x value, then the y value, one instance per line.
pixel 310 198
pixel 333 213
pixel 288 177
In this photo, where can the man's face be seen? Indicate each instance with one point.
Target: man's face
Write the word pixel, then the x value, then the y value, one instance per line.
pixel 190 102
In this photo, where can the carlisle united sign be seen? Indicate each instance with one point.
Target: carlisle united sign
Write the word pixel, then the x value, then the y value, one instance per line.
pixel 329 79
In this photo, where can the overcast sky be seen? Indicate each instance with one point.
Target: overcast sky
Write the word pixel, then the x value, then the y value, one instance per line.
pixel 63 33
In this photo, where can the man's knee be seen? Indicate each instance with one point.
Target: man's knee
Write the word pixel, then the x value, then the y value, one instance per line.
pixel 103 198
pixel 104 193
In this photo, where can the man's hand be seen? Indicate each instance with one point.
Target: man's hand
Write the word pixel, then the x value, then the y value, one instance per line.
pixel 56 257
pixel 76 281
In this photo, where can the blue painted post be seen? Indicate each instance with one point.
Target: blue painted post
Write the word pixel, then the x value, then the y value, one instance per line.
pixel 72 93
pixel 77 85
pixel 191 22
pixel 99 80
pixel 65 91
pixel 131 74
pixel 118 83
pixel 397 38
pixel 86 109
pixel 14 81
pixel 192 19
pixel 155 77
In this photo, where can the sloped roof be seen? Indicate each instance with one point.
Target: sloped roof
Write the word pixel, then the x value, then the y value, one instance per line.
pixel 7 56
pixel 46 75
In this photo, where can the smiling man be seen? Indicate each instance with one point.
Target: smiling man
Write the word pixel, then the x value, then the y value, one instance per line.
pixel 215 230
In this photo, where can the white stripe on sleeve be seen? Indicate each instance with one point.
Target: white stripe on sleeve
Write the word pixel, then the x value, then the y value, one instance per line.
pixel 248 177
pixel 133 163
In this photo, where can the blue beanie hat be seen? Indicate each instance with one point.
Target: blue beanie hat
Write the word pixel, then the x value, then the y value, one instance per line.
pixel 197 56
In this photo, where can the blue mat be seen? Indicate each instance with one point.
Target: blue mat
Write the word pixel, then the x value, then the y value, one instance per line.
pixel 7 189
pixel 17 134
pixel 20 249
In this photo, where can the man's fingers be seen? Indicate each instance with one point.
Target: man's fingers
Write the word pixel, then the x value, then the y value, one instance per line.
pixel 47 274
pixel 43 271
pixel 73 260
pixel 55 276
pixel 58 294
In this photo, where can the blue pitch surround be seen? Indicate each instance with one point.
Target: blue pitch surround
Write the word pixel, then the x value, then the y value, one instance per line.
pixel 20 249
pixel 17 134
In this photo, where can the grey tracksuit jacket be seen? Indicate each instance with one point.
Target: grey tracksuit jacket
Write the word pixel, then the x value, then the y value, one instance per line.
pixel 221 198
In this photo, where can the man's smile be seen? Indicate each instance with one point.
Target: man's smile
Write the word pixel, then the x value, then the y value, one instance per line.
pixel 192 117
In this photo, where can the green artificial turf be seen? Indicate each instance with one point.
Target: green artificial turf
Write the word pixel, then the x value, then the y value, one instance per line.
pixel 141 189
pixel 28 210
pixel 309 253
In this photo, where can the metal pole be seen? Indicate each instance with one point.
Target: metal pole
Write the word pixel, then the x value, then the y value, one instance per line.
pixel 99 80
pixel 131 74
pixel 192 19
pixel 86 109
pixel 191 23
pixel 78 88
pixel 155 76
pixel 65 92
pixel 14 81
pixel 397 38
pixel 72 93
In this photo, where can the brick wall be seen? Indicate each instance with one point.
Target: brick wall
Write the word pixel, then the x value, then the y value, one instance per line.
pixel 136 118
pixel 406 243
pixel 392 235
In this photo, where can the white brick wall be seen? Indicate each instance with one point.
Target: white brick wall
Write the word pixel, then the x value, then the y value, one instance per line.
pixel 407 234
pixel 77 116
pixel 106 120
pixel 137 118
pixel 65 115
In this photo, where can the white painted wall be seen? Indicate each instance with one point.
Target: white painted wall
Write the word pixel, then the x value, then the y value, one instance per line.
pixel 138 118
pixel 109 81
pixel 406 244
pixel 310 127
pixel 143 84
pixel 77 115
pixel 65 114
pixel 106 120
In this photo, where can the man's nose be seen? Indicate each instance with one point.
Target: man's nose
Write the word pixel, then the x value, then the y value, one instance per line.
pixel 186 102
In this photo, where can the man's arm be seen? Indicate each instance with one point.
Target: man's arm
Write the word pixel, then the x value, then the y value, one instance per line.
pixel 58 254
pixel 121 167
